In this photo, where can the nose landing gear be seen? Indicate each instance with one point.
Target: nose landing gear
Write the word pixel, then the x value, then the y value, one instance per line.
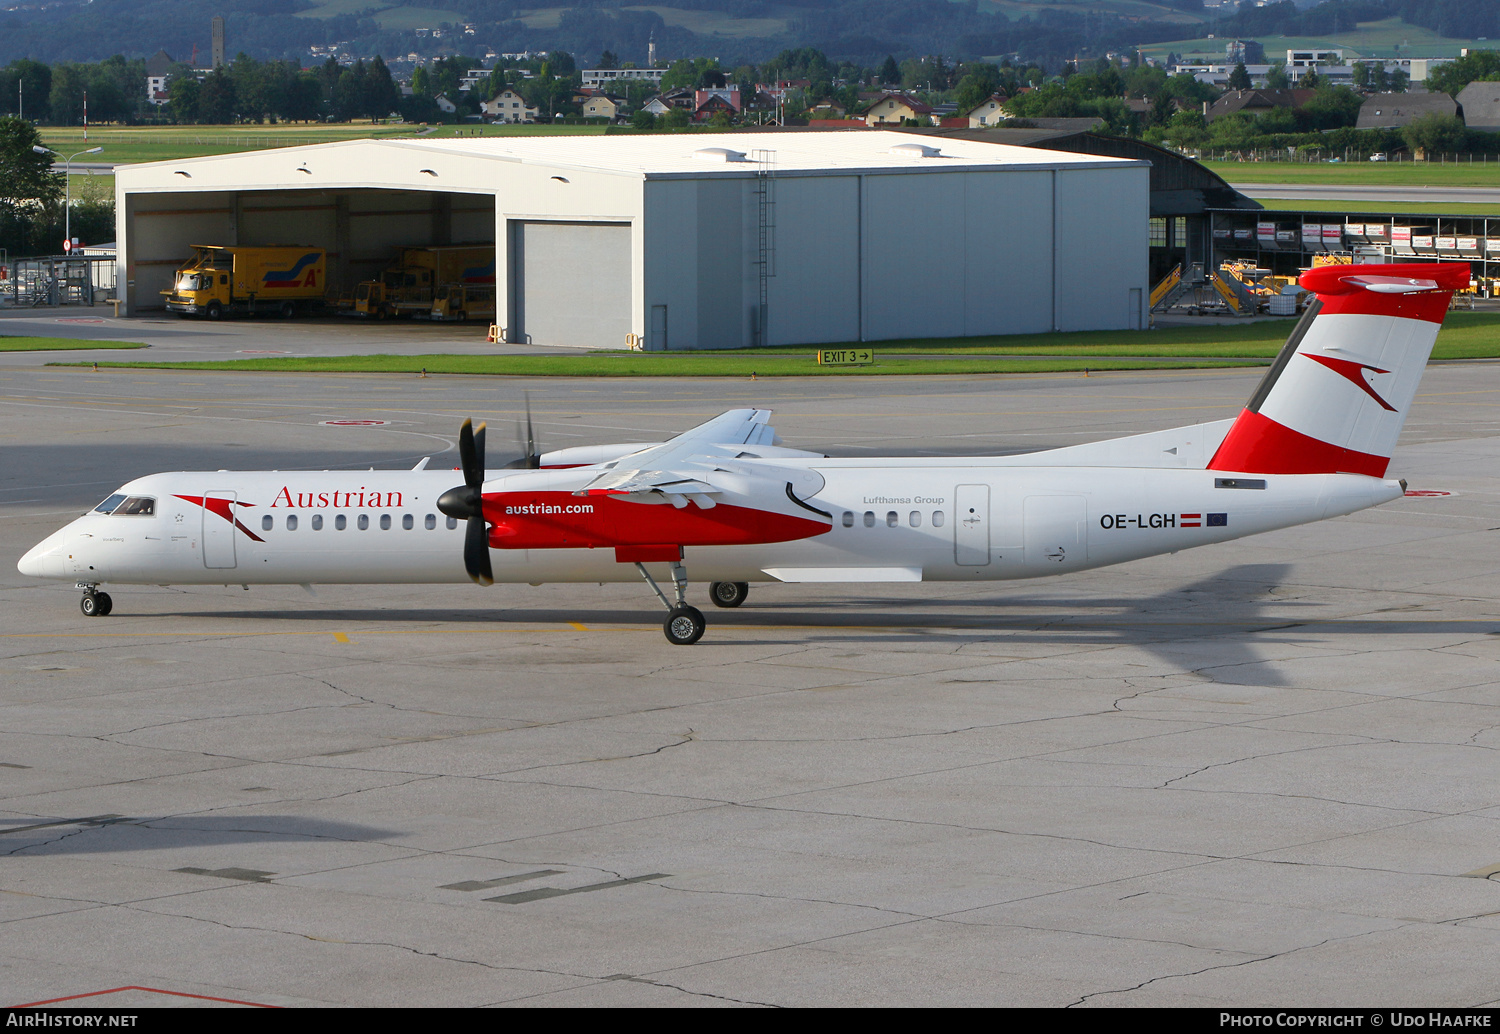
pixel 95 604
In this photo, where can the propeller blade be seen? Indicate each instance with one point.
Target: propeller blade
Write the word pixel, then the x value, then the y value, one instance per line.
pixel 471 453
pixel 533 458
pixel 477 552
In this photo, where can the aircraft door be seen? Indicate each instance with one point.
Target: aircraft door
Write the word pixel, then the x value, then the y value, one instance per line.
pixel 1056 527
pixel 218 534
pixel 971 525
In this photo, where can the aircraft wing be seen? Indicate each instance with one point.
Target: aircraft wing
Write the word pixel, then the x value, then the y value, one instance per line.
pixel 694 465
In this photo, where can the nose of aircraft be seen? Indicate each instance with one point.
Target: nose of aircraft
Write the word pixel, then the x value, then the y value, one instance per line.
pixel 46 558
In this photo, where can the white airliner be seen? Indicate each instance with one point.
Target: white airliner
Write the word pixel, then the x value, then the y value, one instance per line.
pixel 728 503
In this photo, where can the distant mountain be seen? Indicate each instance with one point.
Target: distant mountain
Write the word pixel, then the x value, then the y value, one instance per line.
pixel 735 31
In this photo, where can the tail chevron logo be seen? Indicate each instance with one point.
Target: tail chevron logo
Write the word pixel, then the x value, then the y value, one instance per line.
pixel 221 507
pixel 1354 373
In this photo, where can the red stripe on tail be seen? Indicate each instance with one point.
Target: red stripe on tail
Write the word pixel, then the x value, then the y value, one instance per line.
pixel 1258 444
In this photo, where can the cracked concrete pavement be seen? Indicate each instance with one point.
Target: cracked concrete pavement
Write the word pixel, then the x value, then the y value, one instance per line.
pixel 1262 772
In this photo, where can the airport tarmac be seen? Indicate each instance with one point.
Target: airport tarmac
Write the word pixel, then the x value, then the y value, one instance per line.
pixel 1253 774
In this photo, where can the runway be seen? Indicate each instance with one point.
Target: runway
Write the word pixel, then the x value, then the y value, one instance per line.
pixel 1258 773
pixel 1334 192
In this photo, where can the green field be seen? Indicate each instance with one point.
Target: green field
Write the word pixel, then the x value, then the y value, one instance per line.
pixel 1389 37
pixel 18 343
pixel 130 144
pixel 1466 335
pixel 392 18
pixel 715 23
pixel 1364 174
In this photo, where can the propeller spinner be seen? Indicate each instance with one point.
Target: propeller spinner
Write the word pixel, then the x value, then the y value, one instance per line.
pixel 466 503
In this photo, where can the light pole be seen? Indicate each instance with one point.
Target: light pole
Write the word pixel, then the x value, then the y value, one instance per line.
pixel 68 187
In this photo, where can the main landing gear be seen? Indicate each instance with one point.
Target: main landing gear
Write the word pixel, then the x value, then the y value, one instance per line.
pixel 728 594
pixel 684 625
pixel 95 604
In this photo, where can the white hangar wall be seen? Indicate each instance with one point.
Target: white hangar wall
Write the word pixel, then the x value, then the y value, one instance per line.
pixel 597 238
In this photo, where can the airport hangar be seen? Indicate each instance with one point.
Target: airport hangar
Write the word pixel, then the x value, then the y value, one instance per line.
pixel 689 241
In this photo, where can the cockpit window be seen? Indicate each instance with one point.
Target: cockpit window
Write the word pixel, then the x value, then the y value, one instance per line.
pixel 136 506
pixel 108 506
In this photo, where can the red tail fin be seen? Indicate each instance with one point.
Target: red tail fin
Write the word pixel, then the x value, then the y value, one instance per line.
pixel 1339 391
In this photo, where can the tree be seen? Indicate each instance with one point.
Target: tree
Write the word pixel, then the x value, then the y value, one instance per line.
pixel 607 59
pixel 26 84
pixel 890 72
pixel 26 177
pixel 1453 76
pixel 184 91
pixel 643 119
pixel 1239 79
pixel 216 101
pixel 1435 134
pixel 1276 78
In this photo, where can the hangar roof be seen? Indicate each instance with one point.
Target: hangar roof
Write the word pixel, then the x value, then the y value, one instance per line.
pixel 695 155
pixel 666 154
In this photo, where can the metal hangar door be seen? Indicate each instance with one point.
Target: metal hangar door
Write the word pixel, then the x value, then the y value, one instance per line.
pixel 570 283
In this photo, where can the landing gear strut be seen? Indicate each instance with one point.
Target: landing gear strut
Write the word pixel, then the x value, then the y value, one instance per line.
pixel 95 604
pixel 684 625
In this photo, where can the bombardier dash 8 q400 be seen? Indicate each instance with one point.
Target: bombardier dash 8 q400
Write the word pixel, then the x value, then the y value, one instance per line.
pixel 727 503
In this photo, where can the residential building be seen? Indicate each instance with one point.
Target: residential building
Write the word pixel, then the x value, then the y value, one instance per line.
pixel 1394 110
pixel 597 78
pixel 894 108
pixel 599 104
pixel 1479 104
pixel 1257 102
pixel 989 113
pixel 508 106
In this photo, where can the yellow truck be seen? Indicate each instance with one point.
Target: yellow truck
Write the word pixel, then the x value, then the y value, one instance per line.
pixel 249 281
pixel 408 287
pixel 464 302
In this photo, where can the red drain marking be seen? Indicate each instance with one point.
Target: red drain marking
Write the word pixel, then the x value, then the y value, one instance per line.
pixel 353 423
pixel 152 990
pixel 1425 492
pixel 75 319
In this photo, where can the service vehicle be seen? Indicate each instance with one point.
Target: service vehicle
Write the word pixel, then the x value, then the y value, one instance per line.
pixel 463 302
pixel 249 281
pixel 729 502
pixel 408 286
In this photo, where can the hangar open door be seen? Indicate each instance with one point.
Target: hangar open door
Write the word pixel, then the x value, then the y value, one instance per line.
pixel 570 283
pixel 361 229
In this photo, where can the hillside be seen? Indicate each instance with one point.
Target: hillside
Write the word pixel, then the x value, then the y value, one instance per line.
pixel 860 31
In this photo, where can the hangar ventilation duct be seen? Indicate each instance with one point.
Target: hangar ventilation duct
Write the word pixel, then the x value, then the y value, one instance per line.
pixel 915 151
pixel 718 154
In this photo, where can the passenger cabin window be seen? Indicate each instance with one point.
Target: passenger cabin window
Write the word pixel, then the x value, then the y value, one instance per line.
pixel 406 522
pixel 136 506
pixel 430 521
pixel 869 518
pixel 937 518
pixel 364 522
pixel 340 523
pixel 452 523
pixel 916 518
pixel 108 506
pixel 848 518
pixel 317 522
pixel 893 520
pixel 291 522
pixel 266 522
pixel 385 522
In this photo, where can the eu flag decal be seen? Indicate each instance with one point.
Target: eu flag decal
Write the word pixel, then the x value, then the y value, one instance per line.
pixel 1218 520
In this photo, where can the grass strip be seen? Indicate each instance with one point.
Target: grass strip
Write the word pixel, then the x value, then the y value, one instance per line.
pixel 1465 335
pixel 20 343
pixel 1364 174
pixel 635 364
